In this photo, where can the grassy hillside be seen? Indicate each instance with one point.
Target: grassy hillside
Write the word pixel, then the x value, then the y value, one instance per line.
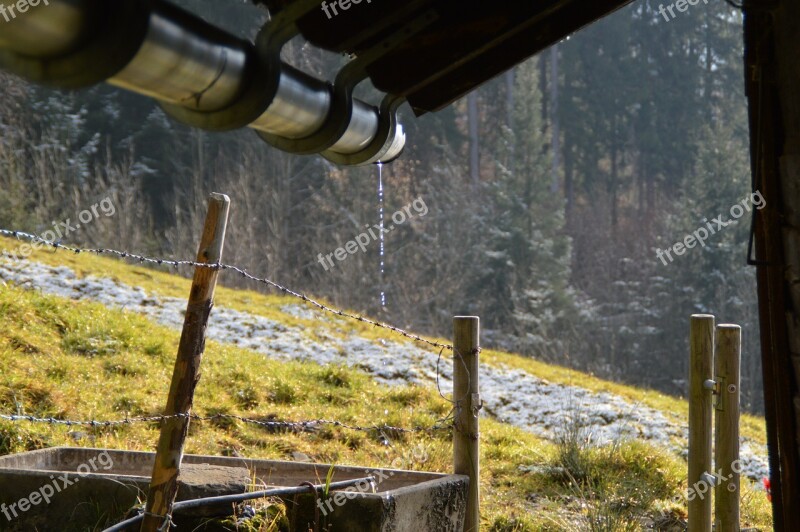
pixel 80 360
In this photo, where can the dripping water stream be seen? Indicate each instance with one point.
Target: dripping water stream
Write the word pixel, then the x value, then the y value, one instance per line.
pixel 382 246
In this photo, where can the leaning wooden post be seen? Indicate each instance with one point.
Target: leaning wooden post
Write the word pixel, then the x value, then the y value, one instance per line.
pixel 701 366
pixel 466 394
pixel 726 456
pixel 164 484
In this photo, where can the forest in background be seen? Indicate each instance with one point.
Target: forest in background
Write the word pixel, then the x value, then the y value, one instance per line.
pixel 549 191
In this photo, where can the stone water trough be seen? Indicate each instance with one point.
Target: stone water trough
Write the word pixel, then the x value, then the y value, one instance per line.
pixel 90 485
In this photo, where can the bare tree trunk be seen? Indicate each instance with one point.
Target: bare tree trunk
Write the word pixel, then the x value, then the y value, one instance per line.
pixel 509 78
pixel 543 91
pixel 474 139
pixel 614 185
pixel 555 129
pixel 569 184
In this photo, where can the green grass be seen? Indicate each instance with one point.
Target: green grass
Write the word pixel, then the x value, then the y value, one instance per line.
pixel 80 360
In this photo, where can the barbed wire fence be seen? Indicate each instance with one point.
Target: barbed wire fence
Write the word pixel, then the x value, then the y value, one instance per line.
pixel 461 420
pixel 443 424
pixel 153 261
pixel 289 426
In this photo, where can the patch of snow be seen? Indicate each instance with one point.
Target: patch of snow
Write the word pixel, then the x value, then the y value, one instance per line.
pixel 510 395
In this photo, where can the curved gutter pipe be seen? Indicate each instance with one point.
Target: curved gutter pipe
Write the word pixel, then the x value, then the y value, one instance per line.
pixel 200 74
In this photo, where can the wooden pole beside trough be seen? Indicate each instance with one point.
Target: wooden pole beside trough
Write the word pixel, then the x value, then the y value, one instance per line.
pixel 729 351
pixel 701 366
pixel 164 484
pixel 466 394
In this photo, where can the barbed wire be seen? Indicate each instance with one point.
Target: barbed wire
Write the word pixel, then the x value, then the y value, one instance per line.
pixel 332 310
pixel 456 402
pixel 302 426
pixel 21 235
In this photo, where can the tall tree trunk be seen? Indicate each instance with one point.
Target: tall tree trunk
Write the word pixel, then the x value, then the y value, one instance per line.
pixel 569 185
pixel 709 74
pixel 641 185
pixel 509 79
pixel 555 184
pixel 651 189
pixel 614 185
pixel 543 91
pixel 474 139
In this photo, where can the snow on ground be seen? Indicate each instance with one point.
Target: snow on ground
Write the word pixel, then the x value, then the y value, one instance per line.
pixel 510 395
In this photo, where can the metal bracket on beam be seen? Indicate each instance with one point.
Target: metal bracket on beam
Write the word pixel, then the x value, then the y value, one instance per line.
pixel 384 140
pixel 341 111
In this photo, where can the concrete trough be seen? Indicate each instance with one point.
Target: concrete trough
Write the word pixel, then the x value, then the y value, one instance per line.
pixel 65 488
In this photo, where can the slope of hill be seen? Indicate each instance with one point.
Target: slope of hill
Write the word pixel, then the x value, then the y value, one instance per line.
pixel 85 337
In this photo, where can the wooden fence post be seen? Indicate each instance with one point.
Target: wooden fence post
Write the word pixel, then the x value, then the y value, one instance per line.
pixel 701 366
pixel 726 456
pixel 164 484
pixel 466 394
